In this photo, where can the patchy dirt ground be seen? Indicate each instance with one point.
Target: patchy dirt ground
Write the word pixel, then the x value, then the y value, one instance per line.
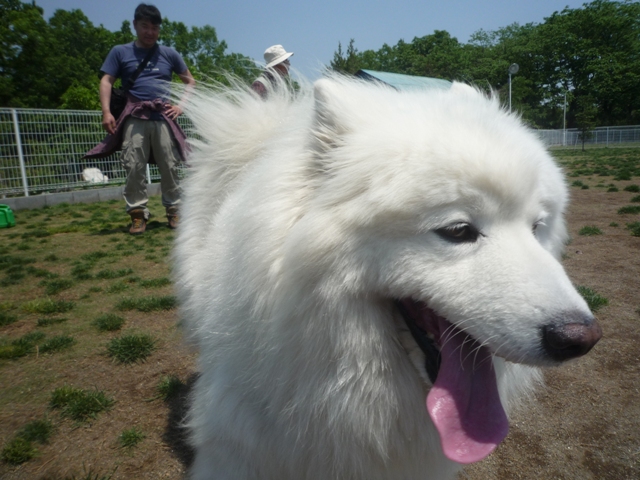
pixel 584 424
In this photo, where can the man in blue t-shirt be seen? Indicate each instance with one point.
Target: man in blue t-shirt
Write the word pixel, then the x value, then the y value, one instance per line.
pixel 147 126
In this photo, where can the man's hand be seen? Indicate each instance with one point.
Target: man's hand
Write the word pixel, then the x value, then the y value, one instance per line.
pixel 173 112
pixel 109 123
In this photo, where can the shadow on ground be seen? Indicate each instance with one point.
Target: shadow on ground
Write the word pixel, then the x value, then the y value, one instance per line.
pixel 175 434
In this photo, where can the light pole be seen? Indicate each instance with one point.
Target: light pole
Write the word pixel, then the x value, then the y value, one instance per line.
pixel 564 122
pixel 513 69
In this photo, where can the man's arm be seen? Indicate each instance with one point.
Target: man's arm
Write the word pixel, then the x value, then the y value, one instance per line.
pixel 108 120
pixel 174 111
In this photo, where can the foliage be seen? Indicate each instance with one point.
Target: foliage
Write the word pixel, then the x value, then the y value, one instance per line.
pixel 147 304
pixel 109 322
pixel 170 386
pixel 131 437
pixel 131 348
pixel 78 404
pixel 56 63
pixel 629 209
pixel 593 299
pixel 55 344
pixel 17 451
pixel 37 431
pixel 587 55
pixel 635 228
pixel 590 230
pixel 47 306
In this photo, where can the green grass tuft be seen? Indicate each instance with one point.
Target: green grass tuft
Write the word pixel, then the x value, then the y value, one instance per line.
pixel 117 287
pixel 169 387
pixel 590 230
pixel 147 304
pixel 593 299
pixel 635 199
pixel 45 322
pixel 109 322
pixel 131 437
pixel 18 451
pixel 58 343
pixel 20 347
pixel 629 209
pixel 109 274
pixel 78 404
pixel 635 228
pixel 155 282
pixel 37 431
pixel 46 306
pixel 632 188
pixel 53 287
pixel 6 319
pixel 131 348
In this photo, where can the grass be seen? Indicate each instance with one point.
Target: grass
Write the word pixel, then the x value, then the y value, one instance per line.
pixel 131 348
pixel 593 299
pixel 7 319
pixel 18 451
pixel 57 344
pixel 47 322
pixel 634 228
pixel 629 209
pixel 47 306
pixel 109 322
pixel 53 287
pixel 590 230
pixel 79 405
pixel 21 346
pixel 147 304
pixel 169 387
pixel 632 188
pixel 131 437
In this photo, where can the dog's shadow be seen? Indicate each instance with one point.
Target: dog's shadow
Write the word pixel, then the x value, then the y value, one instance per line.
pixel 176 434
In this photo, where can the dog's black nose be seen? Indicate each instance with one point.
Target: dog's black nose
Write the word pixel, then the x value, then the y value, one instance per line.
pixel 563 341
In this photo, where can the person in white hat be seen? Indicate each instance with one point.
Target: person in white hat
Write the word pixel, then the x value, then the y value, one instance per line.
pixel 277 63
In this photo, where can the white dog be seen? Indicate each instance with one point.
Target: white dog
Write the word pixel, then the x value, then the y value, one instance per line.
pixel 350 251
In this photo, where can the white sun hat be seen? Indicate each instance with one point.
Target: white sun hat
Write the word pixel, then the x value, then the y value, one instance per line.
pixel 275 55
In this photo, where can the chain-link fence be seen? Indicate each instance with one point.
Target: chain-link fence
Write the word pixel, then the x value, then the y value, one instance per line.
pixel 601 136
pixel 41 151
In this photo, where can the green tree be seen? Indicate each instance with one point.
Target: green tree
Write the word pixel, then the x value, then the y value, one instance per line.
pixel 586 118
pixel 592 51
pixel 205 54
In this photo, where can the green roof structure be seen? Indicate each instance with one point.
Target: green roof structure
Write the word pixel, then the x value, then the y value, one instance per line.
pixel 403 82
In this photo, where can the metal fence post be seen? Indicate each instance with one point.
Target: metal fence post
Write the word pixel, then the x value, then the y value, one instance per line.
pixel 23 170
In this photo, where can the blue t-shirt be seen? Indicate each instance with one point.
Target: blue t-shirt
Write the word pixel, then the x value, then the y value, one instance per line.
pixel 154 81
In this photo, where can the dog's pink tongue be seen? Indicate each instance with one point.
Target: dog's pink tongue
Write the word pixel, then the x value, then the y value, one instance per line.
pixel 464 403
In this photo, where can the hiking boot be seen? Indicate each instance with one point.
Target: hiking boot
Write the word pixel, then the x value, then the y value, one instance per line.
pixel 138 222
pixel 172 217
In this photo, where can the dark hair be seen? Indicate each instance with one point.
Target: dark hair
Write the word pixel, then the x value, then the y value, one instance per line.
pixel 148 12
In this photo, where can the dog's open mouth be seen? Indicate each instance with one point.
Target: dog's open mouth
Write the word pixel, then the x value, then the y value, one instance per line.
pixel 463 403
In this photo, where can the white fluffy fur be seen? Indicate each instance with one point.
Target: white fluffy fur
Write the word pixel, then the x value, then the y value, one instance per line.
pixel 303 218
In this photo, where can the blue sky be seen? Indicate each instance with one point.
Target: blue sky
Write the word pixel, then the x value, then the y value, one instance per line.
pixel 313 28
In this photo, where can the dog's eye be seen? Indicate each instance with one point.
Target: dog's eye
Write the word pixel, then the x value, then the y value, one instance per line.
pixel 459 233
pixel 536 225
